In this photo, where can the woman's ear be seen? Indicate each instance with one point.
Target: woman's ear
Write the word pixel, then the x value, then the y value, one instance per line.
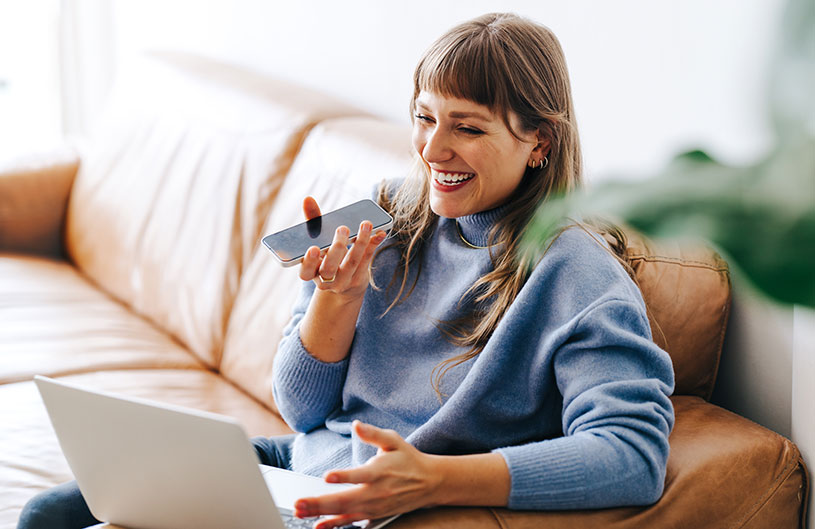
pixel 544 144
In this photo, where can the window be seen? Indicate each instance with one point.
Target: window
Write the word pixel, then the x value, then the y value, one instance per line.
pixel 30 108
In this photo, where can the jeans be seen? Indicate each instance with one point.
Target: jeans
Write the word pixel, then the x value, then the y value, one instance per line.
pixel 64 507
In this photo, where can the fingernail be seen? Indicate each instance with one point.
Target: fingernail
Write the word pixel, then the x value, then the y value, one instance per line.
pixel 331 478
pixel 301 505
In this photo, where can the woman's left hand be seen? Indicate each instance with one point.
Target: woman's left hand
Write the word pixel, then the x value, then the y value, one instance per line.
pixel 398 479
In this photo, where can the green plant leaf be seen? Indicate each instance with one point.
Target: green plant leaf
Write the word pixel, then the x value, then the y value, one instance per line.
pixel 761 218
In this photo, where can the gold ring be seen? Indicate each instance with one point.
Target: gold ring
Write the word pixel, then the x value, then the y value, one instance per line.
pixel 322 280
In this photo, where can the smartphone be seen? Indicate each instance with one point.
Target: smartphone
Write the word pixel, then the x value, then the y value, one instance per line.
pixel 289 246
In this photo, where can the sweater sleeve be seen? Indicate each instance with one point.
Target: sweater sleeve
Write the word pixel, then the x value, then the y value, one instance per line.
pixel 616 418
pixel 306 390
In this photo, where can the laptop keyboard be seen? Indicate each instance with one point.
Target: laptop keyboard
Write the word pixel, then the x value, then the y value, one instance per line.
pixel 292 522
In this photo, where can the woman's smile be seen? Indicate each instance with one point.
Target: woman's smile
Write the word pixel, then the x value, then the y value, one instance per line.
pixel 474 160
pixel 446 181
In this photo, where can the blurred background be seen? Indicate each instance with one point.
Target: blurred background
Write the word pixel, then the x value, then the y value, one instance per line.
pixel 650 80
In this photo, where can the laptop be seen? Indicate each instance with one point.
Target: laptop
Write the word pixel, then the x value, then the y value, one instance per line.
pixel 147 465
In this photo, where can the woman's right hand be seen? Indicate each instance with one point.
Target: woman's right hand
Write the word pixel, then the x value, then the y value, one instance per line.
pixel 340 270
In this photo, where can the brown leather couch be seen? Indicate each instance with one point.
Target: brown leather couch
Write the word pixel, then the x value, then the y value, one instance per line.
pixel 134 265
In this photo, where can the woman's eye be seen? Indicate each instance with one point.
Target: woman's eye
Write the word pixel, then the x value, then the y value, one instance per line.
pixel 422 117
pixel 471 131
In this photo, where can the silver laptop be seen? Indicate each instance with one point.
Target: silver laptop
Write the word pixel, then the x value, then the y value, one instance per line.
pixel 147 465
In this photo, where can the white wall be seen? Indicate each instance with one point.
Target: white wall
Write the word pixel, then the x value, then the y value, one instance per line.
pixel 29 77
pixel 803 391
pixel 649 78
pixel 756 369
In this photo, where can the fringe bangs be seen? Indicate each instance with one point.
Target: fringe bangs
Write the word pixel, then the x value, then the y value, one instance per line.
pixel 465 68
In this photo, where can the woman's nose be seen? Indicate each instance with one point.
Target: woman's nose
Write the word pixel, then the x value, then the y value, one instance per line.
pixel 437 148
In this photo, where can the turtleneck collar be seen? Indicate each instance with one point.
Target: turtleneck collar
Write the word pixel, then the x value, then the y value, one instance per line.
pixel 475 228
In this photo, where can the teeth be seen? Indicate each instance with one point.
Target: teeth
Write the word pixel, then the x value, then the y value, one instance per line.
pixel 451 179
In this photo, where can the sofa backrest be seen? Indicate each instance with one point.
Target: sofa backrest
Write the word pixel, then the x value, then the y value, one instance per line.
pixel 686 288
pixel 170 197
pixel 341 161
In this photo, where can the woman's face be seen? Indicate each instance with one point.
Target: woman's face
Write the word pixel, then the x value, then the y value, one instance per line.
pixel 475 161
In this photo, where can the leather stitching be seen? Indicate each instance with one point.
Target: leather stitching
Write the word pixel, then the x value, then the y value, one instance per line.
pixel 783 476
pixel 804 492
pixel 725 320
pixel 679 261
pixel 497 518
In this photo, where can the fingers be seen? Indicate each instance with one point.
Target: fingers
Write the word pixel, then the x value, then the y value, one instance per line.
pixel 311 262
pixel 339 268
pixel 387 440
pixel 327 504
pixel 347 267
pixel 356 475
pixel 310 208
pixel 366 255
pixel 354 256
pixel 333 257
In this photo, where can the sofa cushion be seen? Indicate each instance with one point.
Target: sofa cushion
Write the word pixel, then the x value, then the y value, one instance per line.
pixel 54 321
pixel 340 162
pixel 169 200
pixel 31 459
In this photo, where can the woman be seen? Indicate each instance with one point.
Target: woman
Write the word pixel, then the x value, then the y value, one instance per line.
pixel 518 357
pixel 445 367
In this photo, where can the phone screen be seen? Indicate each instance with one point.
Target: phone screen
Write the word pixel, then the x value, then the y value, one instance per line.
pixel 290 245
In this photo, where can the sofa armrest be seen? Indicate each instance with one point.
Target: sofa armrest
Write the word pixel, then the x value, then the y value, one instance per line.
pixel 34 195
pixel 723 471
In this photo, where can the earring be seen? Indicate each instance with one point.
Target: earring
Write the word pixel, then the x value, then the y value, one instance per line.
pixel 540 164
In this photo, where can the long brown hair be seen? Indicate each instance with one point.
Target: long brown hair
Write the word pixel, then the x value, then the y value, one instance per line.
pixel 508 64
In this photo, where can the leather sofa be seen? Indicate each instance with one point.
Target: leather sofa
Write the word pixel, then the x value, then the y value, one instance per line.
pixel 132 264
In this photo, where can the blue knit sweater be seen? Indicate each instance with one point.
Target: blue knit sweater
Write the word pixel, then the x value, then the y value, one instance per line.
pixel 570 389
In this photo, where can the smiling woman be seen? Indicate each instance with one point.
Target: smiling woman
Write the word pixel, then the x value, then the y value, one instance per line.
pixel 485 351
pixel 474 160
pixel 436 365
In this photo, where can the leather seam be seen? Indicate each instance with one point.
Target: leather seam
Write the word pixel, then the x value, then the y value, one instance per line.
pixel 678 261
pixel 761 502
pixel 497 518
pixel 720 347
pixel 804 491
